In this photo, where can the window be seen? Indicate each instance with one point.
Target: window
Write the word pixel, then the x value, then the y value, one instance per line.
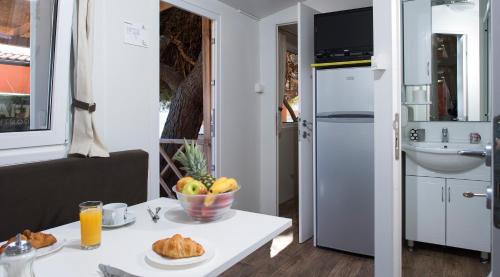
pixel 35 49
pixel 27 31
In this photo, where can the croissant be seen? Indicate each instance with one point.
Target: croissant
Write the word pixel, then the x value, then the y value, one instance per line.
pixel 39 240
pixel 178 247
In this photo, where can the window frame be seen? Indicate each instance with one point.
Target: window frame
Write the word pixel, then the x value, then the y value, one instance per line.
pixel 60 104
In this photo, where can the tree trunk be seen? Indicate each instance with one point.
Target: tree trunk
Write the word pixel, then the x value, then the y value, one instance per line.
pixel 186 108
pixel 170 76
pixel 185 116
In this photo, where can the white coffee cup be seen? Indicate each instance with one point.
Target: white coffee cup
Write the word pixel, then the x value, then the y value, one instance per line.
pixel 114 213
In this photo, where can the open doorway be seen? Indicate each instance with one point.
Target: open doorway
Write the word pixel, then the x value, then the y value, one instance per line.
pixel 446 222
pixel 287 123
pixel 186 85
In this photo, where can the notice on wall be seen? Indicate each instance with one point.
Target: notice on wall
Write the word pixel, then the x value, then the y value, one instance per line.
pixel 135 34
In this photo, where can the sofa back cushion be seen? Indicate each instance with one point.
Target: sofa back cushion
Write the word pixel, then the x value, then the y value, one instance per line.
pixel 43 195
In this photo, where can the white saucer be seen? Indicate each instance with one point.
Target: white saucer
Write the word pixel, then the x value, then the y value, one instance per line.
pixel 130 218
pixel 50 249
pixel 163 261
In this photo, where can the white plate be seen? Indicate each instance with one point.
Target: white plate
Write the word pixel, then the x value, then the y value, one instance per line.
pixel 157 259
pixel 130 218
pixel 50 249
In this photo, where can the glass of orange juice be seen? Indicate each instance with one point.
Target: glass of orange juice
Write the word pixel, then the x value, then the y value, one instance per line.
pixel 90 224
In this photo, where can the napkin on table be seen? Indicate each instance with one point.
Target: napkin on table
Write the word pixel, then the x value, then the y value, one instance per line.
pixel 110 271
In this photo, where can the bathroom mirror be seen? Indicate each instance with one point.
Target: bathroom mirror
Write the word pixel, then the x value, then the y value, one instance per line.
pixel 446 60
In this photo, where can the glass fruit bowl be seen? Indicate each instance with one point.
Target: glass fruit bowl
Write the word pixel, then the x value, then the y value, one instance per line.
pixel 206 207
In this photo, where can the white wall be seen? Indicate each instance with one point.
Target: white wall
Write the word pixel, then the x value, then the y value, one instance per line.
pixel 288 162
pixel 127 89
pixel 126 81
pixel 459 19
pixel 238 106
pixel 268 106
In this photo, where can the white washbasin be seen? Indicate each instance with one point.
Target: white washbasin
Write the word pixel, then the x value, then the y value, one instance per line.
pixel 444 157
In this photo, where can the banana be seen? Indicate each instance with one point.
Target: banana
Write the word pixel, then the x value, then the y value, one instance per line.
pixel 233 183
pixel 221 187
pixel 218 184
pixel 224 185
pixel 209 199
pixel 220 180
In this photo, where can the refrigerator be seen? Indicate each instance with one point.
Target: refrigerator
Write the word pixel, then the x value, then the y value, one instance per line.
pixel 345 160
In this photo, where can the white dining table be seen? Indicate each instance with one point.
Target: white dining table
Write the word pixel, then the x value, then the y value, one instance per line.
pixel 233 237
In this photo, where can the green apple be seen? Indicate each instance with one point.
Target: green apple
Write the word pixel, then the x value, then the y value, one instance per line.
pixel 194 187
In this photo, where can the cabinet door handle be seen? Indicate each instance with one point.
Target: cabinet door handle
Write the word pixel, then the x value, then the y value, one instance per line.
pixel 442 194
pixel 449 195
pixel 428 68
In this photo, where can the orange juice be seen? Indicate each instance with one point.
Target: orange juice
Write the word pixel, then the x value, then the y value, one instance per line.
pixel 90 227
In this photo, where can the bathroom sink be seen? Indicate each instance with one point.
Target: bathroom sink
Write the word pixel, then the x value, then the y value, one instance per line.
pixel 444 157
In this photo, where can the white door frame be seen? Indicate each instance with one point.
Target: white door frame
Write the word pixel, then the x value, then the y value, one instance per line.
pixel 387 65
pixel 216 55
pixel 388 204
pixel 278 113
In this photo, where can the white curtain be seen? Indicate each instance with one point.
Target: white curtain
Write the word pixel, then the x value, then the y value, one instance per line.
pixel 85 140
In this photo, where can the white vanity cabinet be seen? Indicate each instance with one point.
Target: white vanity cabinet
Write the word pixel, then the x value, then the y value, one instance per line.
pixel 417 39
pixel 467 219
pixel 438 213
pixel 425 209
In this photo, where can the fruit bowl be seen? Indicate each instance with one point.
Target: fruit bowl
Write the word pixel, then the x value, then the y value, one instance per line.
pixel 206 207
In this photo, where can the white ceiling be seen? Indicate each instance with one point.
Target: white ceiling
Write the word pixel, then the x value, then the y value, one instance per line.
pixel 263 8
pixel 260 8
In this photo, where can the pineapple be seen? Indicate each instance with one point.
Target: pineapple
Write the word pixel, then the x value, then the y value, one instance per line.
pixel 208 180
pixel 194 164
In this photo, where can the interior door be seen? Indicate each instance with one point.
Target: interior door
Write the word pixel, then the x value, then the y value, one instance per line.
pixel 306 91
pixel 494 50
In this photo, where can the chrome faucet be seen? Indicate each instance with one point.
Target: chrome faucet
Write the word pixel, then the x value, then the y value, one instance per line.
pixel 444 135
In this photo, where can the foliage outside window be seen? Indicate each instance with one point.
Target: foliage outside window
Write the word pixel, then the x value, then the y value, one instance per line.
pixel 291 87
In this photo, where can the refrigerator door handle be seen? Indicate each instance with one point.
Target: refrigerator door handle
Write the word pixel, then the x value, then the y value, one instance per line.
pixel 346 114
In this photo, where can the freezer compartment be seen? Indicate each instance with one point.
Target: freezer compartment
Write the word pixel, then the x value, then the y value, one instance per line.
pixel 345 186
pixel 345 89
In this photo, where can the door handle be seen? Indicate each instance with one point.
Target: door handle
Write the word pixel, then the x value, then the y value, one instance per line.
pixel 487 195
pixel 397 142
pixel 487 158
pixel 472 195
pixel 484 154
